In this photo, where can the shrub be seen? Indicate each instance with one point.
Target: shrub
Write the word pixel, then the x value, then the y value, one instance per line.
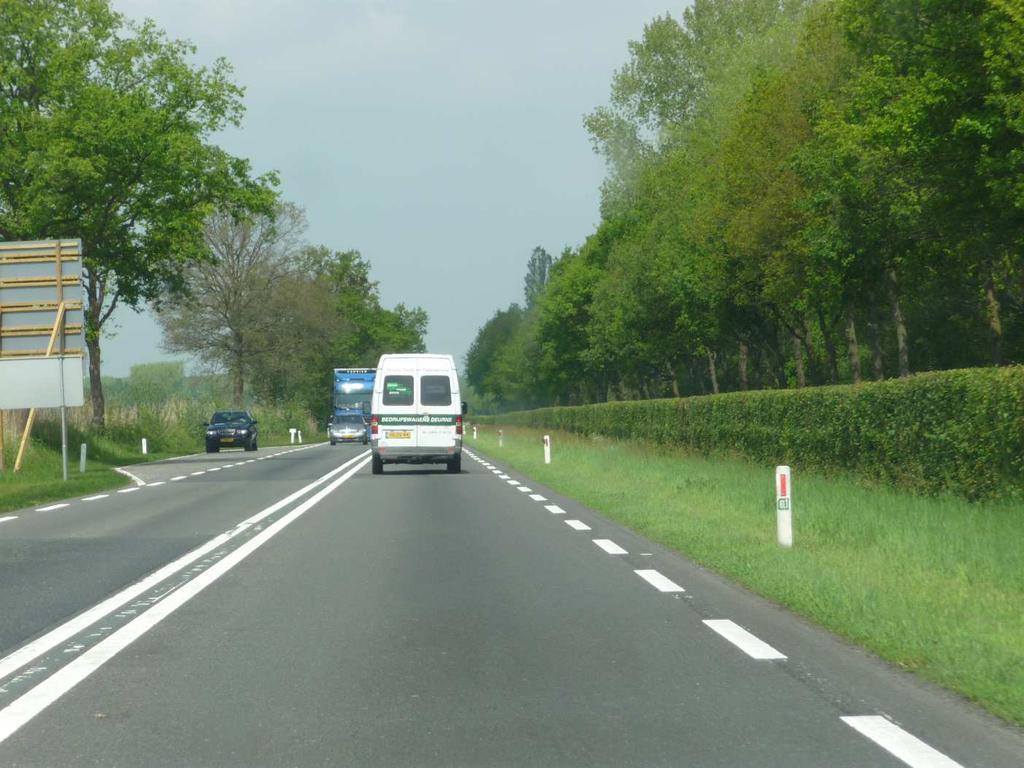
pixel 954 431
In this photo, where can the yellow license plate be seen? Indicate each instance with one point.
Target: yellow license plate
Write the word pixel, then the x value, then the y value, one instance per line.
pixel 227 439
pixel 399 435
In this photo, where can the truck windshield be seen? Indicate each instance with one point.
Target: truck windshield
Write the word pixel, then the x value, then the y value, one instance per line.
pixel 353 401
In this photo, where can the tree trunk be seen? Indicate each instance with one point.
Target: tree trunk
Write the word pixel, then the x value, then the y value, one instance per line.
pixel 812 353
pixel 744 354
pixel 712 370
pixel 798 354
pixel 995 322
pixel 830 349
pixel 852 347
pixel 901 327
pixel 673 379
pixel 875 340
pixel 99 415
pixel 237 385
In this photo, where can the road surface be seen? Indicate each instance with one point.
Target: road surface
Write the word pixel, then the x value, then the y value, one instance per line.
pixel 289 608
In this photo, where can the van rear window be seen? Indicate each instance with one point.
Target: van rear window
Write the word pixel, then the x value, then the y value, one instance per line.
pixel 435 390
pixel 397 390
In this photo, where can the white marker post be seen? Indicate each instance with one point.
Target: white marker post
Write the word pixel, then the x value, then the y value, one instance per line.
pixel 474 431
pixel 784 506
pixel 547 449
pixel 81 457
pixel 501 438
pixel 291 434
pixel 300 436
pixel 145 447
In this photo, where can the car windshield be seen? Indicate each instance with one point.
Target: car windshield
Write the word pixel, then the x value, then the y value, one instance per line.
pixel 230 417
pixel 349 420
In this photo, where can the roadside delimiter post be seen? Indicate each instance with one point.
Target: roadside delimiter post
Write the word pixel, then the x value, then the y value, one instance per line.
pixel 784 506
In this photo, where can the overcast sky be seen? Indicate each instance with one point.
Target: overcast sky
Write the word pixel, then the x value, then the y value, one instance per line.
pixel 441 138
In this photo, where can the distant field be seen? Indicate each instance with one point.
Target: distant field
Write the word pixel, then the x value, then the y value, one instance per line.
pixel 934 585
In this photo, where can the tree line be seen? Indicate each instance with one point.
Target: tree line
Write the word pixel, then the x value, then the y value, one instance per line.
pixel 799 192
pixel 106 129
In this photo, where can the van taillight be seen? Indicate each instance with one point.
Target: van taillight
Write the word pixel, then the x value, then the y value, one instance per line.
pixel 458 425
pixel 374 422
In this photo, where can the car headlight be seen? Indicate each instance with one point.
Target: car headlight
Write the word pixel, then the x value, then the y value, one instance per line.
pixel 243 431
pixel 211 432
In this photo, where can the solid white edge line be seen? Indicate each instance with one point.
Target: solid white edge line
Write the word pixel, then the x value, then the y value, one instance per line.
pixel 8 517
pixel 554 509
pixel 96 497
pixel 135 478
pixel 19 658
pixel 753 646
pixel 577 525
pixel 610 547
pixel 25 707
pixel 658 581
pixel 538 497
pixel 53 506
pixel 893 739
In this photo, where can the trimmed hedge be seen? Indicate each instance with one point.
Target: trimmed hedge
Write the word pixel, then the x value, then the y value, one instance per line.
pixel 959 431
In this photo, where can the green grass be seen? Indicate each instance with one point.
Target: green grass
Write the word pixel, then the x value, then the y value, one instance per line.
pixel 934 585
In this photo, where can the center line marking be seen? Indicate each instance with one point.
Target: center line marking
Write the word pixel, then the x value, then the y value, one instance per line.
pixel 179 477
pixel 538 497
pixel 128 490
pixel 554 509
pixel 577 525
pixel 214 469
pixel 97 496
pixel 907 747
pixel 54 506
pixel 158 482
pixel 746 642
pixel 659 582
pixel 610 547
pixel 200 472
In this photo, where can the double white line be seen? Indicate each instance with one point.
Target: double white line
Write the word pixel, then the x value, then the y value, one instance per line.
pixel 30 704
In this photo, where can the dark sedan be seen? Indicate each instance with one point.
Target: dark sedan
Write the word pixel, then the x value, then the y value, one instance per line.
pixel 231 429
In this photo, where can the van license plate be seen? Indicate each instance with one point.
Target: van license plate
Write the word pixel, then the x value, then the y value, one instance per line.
pixel 399 435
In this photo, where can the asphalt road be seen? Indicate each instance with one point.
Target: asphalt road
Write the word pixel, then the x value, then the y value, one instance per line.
pixel 289 608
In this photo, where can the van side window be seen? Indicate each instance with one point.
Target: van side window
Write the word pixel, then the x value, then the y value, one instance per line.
pixel 435 390
pixel 397 390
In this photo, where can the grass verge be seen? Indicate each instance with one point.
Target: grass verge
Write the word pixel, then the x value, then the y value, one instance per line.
pixel 934 585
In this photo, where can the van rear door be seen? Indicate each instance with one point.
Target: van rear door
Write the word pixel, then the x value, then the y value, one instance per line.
pixel 436 398
pixel 398 398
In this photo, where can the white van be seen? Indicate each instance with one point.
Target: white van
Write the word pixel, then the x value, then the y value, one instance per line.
pixel 416 414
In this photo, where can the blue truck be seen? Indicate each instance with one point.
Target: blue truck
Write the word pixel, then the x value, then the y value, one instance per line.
pixel 353 392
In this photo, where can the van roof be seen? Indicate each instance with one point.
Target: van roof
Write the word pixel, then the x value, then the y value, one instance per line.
pixel 411 357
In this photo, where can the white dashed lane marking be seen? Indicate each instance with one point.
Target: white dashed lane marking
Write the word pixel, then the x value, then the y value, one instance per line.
pixel 128 490
pixel 524 489
pixel 97 496
pixel 503 477
pixel 538 497
pixel 8 518
pixel 512 482
pixel 577 525
pixel 53 506
pixel 200 472
pixel 610 547
pixel 179 477
pixel 659 582
pixel 753 646
pixel 153 485
pixel 554 509
pixel 908 748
